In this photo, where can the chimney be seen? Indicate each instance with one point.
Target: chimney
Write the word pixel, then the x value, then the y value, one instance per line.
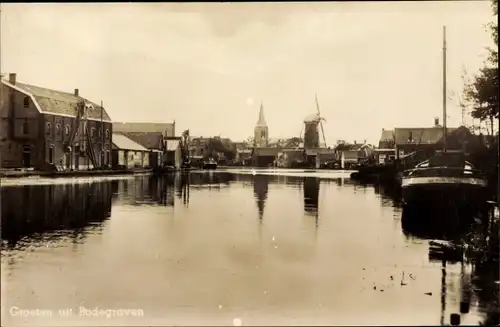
pixel 12 78
pixel 77 93
pixel 436 121
pixel 354 141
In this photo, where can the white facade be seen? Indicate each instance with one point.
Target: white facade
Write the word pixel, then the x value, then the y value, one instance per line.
pixel 129 153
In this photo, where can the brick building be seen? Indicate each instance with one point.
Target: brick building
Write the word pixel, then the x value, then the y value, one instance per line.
pixel 39 128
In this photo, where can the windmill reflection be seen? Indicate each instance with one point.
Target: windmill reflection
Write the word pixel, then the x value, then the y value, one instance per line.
pixel 260 190
pixel 311 196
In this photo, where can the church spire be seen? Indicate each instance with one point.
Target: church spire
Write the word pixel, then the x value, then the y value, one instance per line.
pixel 262 120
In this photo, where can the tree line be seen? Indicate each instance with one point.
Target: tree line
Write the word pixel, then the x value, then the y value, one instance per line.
pixel 480 94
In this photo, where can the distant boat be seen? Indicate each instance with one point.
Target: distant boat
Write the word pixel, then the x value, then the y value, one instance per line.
pixel 210 164
pixel 446 178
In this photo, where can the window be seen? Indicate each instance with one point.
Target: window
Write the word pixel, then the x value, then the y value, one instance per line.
pixel 26 102
pixel 108 159
pixel 26 127
pixel 51 154
pixel 58 129
pixel 66 130
pixel 107 134
pixel 48 128
pixel 92 132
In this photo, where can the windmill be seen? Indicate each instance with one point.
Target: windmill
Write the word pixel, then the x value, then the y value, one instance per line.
pixel 311 133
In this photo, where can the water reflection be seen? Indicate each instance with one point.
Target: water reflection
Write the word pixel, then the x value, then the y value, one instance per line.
pixel 209 242
pixel 311 195
pixel 36 209
pixel 260 190
pixel 389 195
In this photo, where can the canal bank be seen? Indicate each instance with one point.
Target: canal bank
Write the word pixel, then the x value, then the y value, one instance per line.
pixel 75 173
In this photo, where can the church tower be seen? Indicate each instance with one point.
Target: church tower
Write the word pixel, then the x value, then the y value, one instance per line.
pixel 261 132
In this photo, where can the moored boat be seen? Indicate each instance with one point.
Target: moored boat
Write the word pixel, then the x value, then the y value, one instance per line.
pixel 210 164
pixel 445 179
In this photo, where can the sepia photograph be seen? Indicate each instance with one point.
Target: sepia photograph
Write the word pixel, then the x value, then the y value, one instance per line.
pixel 249 163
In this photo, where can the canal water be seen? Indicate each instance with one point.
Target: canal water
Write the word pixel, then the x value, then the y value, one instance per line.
pixel 267 247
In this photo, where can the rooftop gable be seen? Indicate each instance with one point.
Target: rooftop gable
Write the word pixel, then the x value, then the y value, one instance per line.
pixel 55 102
pixel 147 140
pixel 266 152
pixel 428 135
pixel 167 129
pixel 122 142
pixel 387 135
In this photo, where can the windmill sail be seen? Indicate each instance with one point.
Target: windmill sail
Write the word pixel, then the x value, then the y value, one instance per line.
pixel 320 120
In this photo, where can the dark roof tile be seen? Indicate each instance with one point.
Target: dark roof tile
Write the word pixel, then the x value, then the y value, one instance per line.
pixel 58 102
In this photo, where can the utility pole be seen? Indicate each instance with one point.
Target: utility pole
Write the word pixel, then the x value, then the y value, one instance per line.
pixel 102 137
pixel 444 88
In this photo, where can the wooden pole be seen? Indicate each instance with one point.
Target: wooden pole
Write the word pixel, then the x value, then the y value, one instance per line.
pixel 102 136
pixel 444 89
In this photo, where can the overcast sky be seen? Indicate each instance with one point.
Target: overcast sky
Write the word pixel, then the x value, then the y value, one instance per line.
pixel 209 66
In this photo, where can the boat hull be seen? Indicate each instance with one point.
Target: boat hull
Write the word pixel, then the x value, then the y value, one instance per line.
pixel 444 192
pixel 210 166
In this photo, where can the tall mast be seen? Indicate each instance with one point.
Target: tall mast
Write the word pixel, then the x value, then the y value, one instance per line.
pixel 102 137
pixel 444 88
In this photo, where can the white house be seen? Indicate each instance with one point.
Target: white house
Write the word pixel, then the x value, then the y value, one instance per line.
pixel 127 153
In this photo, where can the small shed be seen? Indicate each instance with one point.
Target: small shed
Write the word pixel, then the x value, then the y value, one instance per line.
pixel 127 153
pixel 264 157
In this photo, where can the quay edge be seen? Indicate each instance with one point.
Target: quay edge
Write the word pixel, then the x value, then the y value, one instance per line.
pixel 78 173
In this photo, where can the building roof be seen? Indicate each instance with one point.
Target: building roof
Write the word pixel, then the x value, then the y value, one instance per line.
pixel 153 140
pixel 172 145
pixel 312 118
pixel 429 135
pixel 387 135
pixel 349 147
pixel 241 145
pixel 287 150
pixel 314 152
pixel 167 129
pixel 266 152
pixel 54 102
pixel 122 142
